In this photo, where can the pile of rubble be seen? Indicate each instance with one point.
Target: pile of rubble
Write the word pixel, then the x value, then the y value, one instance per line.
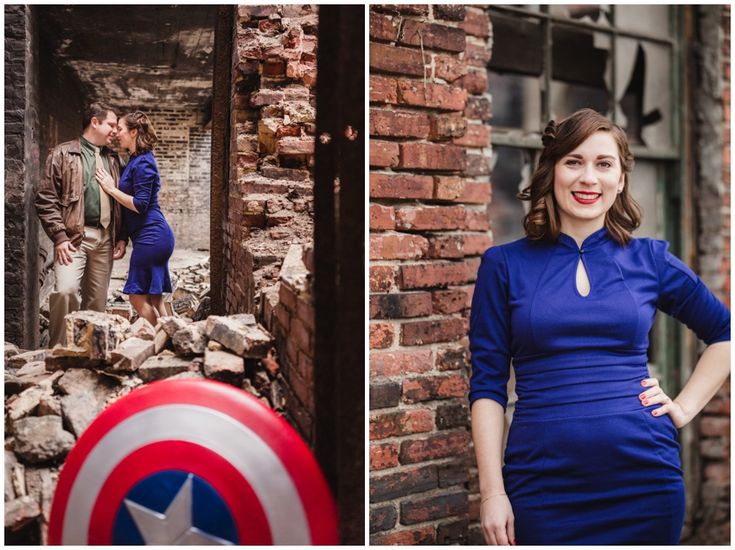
pixel 51 396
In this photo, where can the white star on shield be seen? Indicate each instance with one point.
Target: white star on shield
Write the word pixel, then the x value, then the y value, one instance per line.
pixel 174 527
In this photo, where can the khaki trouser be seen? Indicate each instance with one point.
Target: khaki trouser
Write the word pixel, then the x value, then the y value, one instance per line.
pixel 89 272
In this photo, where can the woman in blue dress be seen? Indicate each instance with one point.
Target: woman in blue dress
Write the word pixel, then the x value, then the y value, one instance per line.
pixel 143 221
pixel 592 454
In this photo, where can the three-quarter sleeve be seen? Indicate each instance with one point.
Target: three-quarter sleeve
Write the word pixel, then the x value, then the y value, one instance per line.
pixel 490 330
pixel 145 178
pixel 684 296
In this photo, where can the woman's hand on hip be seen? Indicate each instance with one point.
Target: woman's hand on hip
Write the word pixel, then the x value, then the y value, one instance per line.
pixel 654 395
pixel 497 520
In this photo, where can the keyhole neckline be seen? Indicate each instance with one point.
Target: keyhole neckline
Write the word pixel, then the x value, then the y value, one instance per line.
pixel 590 241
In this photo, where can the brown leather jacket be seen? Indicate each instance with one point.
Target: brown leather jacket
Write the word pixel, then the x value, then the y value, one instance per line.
pixel 60 196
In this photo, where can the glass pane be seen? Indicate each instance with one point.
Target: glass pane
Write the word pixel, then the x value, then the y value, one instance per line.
pixel 653 20
pixel 511 172
pixel 581 71
pixel 644 187
pixel 644 82
pixel 588 13
pixel 516 101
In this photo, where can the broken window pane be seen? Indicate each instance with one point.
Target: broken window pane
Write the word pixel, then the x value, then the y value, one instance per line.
pixel 644 187
pixel 644 83
pixel 588 13
pixel 517 45
pixel 516 101
pixel 653 19
pixel 581 71
pixel 511 172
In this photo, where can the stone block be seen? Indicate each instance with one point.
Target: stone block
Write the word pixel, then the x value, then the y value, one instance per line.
pixel 131 353
pixel 20 359
pixel 190 340
pixel 20 511
pixel 41 439
pixel 240 334
pixel 222 365
pixel 162 366
pixel 172 324
pixel 79 410
pixel 160 341
pixel 124 310
pixel 97 334
pixel 25 402
pixel 142 329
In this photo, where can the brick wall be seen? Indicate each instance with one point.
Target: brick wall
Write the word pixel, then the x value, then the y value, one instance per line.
pixel 183 156
pixel 429 189
pixel 270 204
pixel 22 168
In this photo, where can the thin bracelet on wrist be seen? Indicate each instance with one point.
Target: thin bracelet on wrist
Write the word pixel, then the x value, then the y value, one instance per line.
pixel 491 496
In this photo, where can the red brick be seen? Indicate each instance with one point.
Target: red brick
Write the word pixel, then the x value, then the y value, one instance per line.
pixel 447 126
pixel 382 518
pixel 420 218
pixel 474 509
pixel 383 153
pixel 397 246
pixel 714 426
pixel 400 484
pixel 452 415
pixel 431 156
pixel 392 59
pixel 295 146
pixel 400 305
pixel 303 338
pixel 416 390
pixel 449 12
pixel 435 507
pixel 719 472
pixel 383 89
pixel 400 423
pixel 381 335
pixel 406 9
pixel 478 108
pixel 418 333
pixel 454 532
pixel 432 36
pixel 476 23
pixel 477 56
pixel 476 193
pixel 473 265
pixel 477 135
pixel 382 217
pixel 446 246
pixel 385 186
pixel 433 274
pixel 384 27
pixel 476 165
pixel 398 124
pixel 449 68
pixel 446 302
pixel 383 455
pixel 454 357
pixel 442 445
pixel 382 277
pixel 384 395
pixel 439 96
pixel 421 535
pixel 448 188
pixel 476 244
pixel 399 363
pixel 475 82
pixel 477 220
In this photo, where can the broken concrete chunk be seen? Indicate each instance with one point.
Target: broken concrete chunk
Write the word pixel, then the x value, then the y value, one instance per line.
pixel 240 335
pixel 142 329
pixel 11 349
pixel 20 511
pixel 94 332
pixel 131 353
pixel 79 410
pixel 160 341
pixel 49 404
pixel 17 361
pixel 41 439
pixel 162 366
pixel 215 346
pixel 124 310
pixel 54 363
pixel 191 340
pixel 222 365
pixel 190 374
pixel 85 381
pixel 25 403
pixel 11 465
pixel 32 368
pixel 171 324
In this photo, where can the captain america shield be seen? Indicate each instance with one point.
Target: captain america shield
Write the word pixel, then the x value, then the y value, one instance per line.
pixel 191 462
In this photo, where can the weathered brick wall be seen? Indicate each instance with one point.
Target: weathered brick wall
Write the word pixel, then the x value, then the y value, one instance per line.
pixel 22 168
pixel 183 156
pixel 270 202
pixel 429 189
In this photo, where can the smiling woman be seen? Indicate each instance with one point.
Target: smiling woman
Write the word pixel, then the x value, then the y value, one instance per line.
pixel 592 454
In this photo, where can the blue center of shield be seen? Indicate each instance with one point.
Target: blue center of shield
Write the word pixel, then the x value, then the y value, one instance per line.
pixel 173 507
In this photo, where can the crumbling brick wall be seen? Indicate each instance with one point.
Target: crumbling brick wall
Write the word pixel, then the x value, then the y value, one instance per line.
pixel 22 169
pixel 269 222
pixel 270 204
pixel 429 189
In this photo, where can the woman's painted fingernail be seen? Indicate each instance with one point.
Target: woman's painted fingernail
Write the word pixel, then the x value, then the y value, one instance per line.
pixel 643 382
pixel 642 396
pixel 655 413
pixel 645 401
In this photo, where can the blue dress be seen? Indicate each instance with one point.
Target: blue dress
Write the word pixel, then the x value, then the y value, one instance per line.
pixel 153 238
pixel 585 461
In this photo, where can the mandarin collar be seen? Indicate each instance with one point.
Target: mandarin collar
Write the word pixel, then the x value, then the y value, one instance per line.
pixel 598 237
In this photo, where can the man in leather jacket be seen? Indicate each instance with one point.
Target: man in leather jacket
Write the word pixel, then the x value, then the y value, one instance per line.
pixel 80 218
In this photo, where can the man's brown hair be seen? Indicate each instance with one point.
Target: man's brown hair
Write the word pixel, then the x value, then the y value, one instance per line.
pixel 96 110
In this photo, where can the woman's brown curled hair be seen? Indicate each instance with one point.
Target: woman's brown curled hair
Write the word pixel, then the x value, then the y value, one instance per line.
pixel 146 139
pixel 542 220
